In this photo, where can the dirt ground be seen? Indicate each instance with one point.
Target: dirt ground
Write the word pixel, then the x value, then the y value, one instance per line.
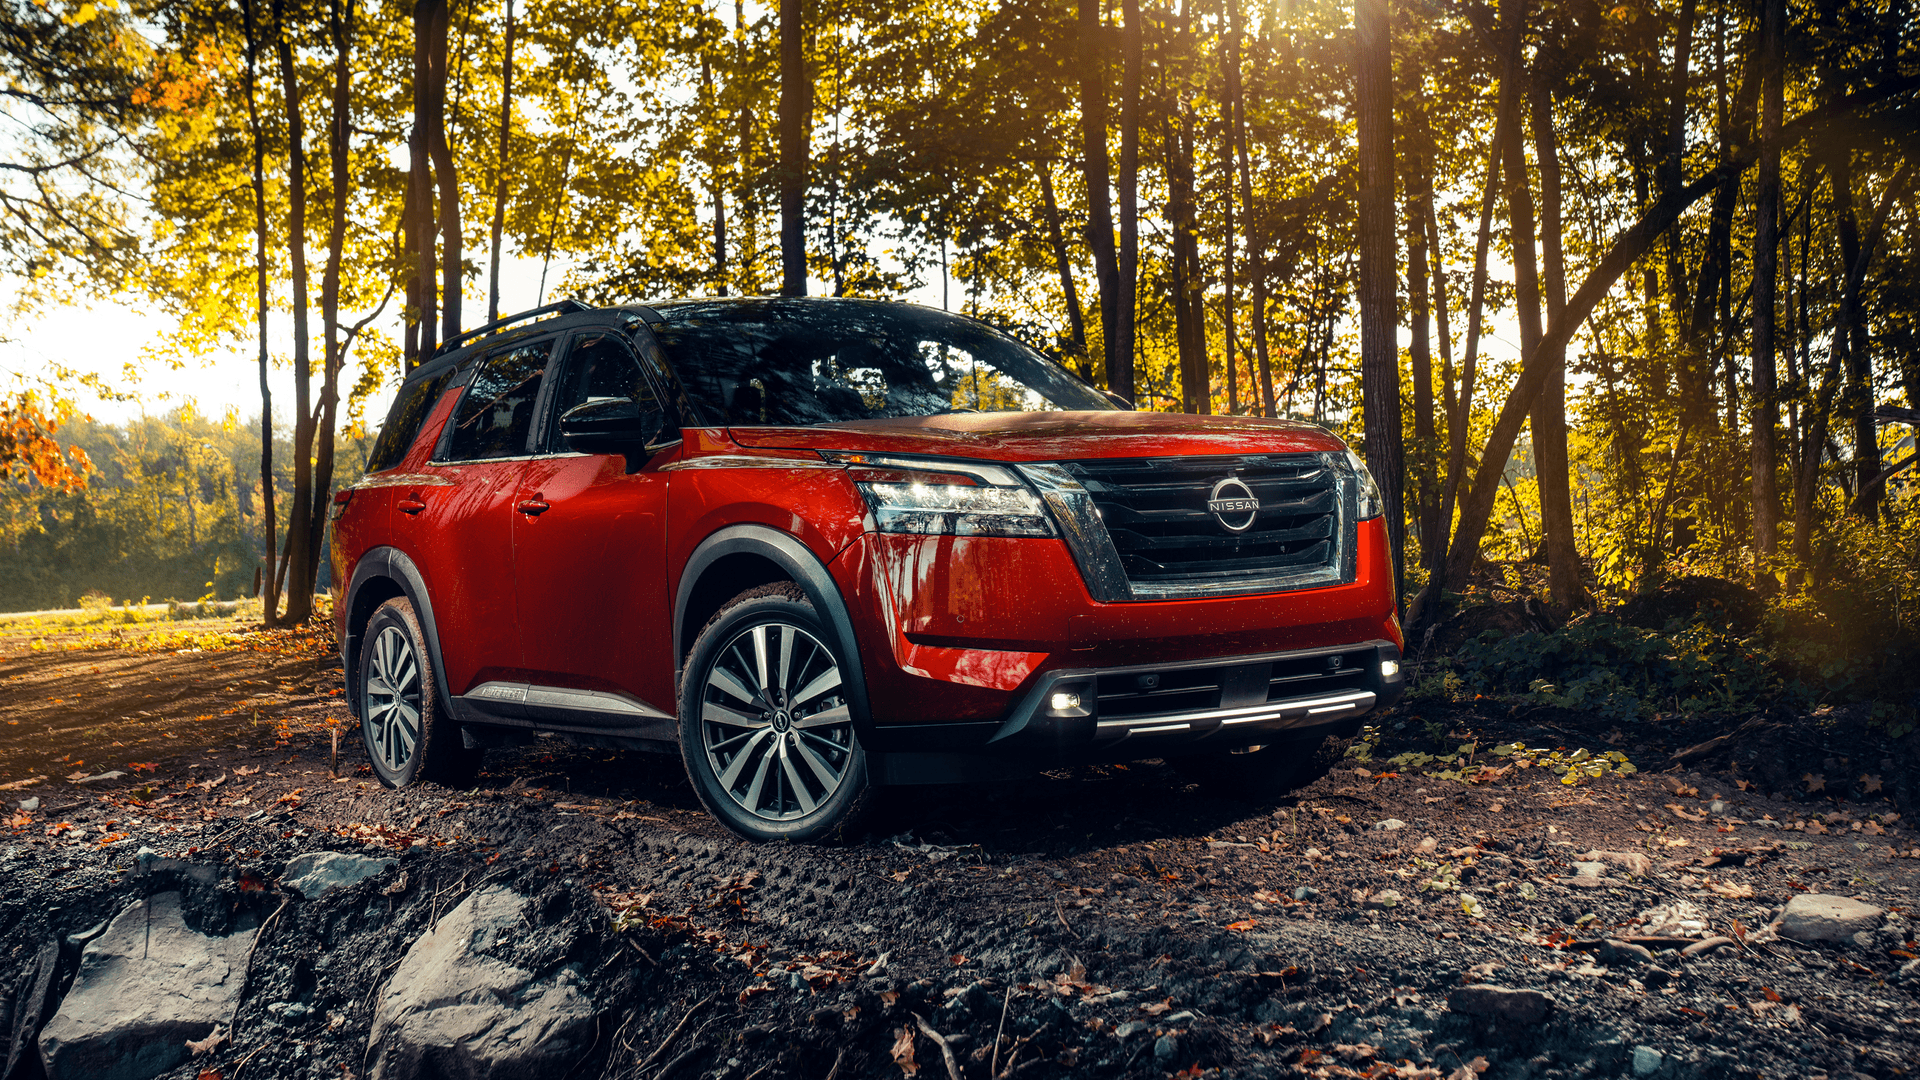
pixel 1092 922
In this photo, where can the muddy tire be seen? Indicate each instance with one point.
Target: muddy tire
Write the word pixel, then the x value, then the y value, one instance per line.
pixel 408 735
pixel 1265 775
pixel 766 726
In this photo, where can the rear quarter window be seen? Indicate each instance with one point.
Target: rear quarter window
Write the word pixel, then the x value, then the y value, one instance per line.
pixel 410 409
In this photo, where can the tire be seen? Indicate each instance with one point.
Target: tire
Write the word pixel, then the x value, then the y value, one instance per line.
pixel 1267 774
pixel 408 735
pixel 766 730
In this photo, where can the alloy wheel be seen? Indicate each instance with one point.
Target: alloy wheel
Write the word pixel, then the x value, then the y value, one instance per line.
pixel 774 721
pixel 392 703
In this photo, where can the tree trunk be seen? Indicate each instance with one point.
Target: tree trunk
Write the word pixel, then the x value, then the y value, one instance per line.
pixel 1850 335
pixel 1423 470
pixel 1550 412
pixel 1129 192
pixel 446 178
pixel 270 591
pixel 1256 255
pixel 300 515
pixel 1379 353
pixel 796 114
pixel 1056 237
pixel 1504 122
pixel 500 172
pixel 422 291
pixel 1093 137
pixel 339 145
pixel 1766 276
pixel 719 198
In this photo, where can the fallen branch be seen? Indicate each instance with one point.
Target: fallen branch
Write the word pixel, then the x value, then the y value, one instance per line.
pixel 993 1069
pixel 939 1040
pixel 1062 912
pixel 672 1035
pixel 1714 745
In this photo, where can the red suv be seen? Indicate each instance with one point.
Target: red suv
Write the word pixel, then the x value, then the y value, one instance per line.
pixel 815 546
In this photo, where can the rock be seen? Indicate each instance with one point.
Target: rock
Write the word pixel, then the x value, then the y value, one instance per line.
pixel 1817 917
pixel 1165 1048
pixel 453 1009
pixel 1647 1060
pixel 1389 825
pixel 1630 862
pixel 1624 952
pixel 1501 1003
pixel 1384 900
pixel 1184 1016
pixel 317 873
pixel 30 805
pixel 1657 977
pixel 1306 892
pixel 145 987
pixel 1589 869
pixel 1128 1030
pixel 149 861
pixel 1677 919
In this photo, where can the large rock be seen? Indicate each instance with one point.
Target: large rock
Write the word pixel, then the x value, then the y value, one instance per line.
pixel 1501 1003
pixel 1816 917
pixel 317 873
pixel 145 987
pixel 456 1010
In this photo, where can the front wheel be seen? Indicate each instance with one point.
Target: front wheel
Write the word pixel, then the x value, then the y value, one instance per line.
pixel 766 725
pixel 1264 774
pixel 403 722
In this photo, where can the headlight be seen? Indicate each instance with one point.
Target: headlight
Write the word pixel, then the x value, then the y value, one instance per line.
pixel 1368 500
pixel 935 497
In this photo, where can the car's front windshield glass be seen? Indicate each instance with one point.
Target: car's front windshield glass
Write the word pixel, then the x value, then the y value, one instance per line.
pixel 749 362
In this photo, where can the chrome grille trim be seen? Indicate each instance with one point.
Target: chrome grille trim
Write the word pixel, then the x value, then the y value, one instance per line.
pixel 1103 570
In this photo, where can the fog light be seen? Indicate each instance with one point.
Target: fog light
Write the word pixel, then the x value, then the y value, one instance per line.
pixel 1389 668
pixel 1064 702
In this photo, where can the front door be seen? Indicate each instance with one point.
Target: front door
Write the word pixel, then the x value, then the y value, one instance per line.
pixel 462 526
pixel 590 557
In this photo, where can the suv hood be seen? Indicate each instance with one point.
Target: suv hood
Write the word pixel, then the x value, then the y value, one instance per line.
pixel 1052 436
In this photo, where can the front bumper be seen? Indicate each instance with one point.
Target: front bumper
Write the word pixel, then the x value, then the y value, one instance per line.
pixel 1152 710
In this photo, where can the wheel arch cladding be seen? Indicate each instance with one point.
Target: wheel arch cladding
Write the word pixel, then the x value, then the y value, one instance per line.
pixel 741 557
pixel 379 576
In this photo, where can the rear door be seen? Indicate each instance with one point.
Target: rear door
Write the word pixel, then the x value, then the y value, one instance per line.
pixel 458 521
pixel 590 557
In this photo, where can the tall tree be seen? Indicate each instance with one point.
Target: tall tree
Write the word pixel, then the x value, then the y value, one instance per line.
pixel 500 172
pixel 1122 355
pixel 796 116
pixel 1766 277
pixel 1550 412
pixel 301 556
pixel 1094 164
pixel 1379 352
pixel 269 573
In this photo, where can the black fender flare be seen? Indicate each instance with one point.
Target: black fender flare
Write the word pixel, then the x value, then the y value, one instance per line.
pixel 807 571
pixel 394 565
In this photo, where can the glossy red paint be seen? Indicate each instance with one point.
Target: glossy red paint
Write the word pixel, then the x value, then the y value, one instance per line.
pixel 1054 436
pixel 590 569
pixel 968 622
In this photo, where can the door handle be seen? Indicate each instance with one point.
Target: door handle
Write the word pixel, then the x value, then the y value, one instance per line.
pixel 533 507
pixel 411 503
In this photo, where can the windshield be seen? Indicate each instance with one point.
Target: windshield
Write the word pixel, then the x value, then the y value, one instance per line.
pixel 798 362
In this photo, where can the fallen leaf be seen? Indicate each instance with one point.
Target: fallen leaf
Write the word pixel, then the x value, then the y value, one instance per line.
pixel 1815 782
pixel 1156 1008
pixel 1243 924
pixel 1731 890
pixel 888 997
pixel 246 770
pixel 213 1039
pixel 903 1051
pixel 1684 814
pixel 1870 782
pixel 1771 995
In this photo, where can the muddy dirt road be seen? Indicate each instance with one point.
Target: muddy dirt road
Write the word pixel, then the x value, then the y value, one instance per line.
pixel 1093 922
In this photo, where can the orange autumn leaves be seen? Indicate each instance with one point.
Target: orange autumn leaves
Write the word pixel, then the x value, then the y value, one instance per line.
pixel 28 449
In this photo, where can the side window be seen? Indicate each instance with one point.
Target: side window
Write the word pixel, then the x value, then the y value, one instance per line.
pixel 410 410
pixel 600 365
pixel 495 419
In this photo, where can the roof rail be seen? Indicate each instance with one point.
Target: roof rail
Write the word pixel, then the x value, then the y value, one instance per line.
pixel 567 306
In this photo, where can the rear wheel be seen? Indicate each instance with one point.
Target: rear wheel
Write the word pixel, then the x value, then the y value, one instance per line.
pixel 766 726
pixel 403 722
pixel 1266 774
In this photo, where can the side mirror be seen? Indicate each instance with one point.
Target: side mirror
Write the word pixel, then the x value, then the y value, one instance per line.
pixel 610 426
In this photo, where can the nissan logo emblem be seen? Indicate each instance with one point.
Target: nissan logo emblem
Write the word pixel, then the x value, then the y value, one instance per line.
pixel 1230 498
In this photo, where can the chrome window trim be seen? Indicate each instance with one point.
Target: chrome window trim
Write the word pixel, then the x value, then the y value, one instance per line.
pixel 1106 578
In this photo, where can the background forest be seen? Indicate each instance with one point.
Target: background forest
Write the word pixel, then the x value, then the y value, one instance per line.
pixel 1612 295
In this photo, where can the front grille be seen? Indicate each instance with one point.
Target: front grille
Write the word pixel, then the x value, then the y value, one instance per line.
pixel 1155 511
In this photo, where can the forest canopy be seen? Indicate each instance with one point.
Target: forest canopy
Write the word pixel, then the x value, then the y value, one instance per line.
pixel 1610 294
